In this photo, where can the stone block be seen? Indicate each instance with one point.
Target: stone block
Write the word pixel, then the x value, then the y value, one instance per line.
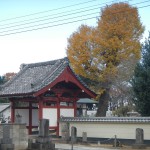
pixel 6 141
pixel 65 132
pixel 6 131
pixel 40 146
pixel 11 132
pixel 15 141
pixel 22 126
pixel 1 132
pixel 16 127
pixel 52 146
pixel 73 134
pixel 23 137
pixel 43 139
pixel 84 137
pixel 7 146
pixel 65 136
pixel 139 136
pixel 16 135
pixel 11 126
pixel 23 131
pixel 30 141
pixel 22 145
pixel 139 141
pixel 64 126
pixel 44 127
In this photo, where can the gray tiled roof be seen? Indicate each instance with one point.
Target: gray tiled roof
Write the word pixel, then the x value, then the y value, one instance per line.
pixel 106 119
pixel 4 106
pixel 87 101
pixel 33 77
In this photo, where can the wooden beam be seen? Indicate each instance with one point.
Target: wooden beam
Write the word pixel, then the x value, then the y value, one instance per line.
pixel 12 112
pixel 69 75
pixel 58 113
pixel 40 108
pixel 30 118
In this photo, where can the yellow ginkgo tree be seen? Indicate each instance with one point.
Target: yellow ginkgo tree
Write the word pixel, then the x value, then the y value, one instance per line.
pixel 97 52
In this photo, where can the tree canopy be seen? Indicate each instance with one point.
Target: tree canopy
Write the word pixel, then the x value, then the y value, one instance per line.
pixel 2 80
pixel 141 81
pixel 97 52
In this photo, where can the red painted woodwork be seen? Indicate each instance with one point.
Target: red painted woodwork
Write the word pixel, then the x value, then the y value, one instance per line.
pixel 58 114
pixel 66 75
pixel 30 118
pixel 12 112
pixel 40 109
pixel 75 108
pixel 52 127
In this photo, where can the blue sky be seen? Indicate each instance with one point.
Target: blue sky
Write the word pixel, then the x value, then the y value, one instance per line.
pixel 50 42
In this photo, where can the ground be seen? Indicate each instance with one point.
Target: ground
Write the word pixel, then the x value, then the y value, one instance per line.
pixel 87 146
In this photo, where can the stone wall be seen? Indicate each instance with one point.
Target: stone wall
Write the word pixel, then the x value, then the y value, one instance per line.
pixel 14 134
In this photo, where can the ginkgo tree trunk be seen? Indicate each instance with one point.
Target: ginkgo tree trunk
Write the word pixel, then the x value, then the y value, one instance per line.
pixel 97 52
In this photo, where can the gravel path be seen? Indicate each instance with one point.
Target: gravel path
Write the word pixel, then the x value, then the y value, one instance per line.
pixel 77 147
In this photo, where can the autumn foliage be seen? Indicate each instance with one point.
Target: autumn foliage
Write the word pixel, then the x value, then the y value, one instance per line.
pixel 120 33
pixel 95 52
pixel 9 75
pixel 98 52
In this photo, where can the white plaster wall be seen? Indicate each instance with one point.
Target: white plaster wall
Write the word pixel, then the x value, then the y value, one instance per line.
pixel 6 113
pixel 67 112
pixel 51 114
pixel 108 130
pixel 25 115
pixel 91 113
pixel 35 119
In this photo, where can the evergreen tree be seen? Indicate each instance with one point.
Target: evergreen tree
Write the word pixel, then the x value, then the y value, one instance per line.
pixel 2 80
pixel 141 81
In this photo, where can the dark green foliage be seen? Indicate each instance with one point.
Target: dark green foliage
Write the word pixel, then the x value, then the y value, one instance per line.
pixel 4 100
pixel 2 80
pixel 141 81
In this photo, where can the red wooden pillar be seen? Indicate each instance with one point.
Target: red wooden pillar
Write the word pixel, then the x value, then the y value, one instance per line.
pixel 40 109
pixel 75 108
pixel 58 114
pixel 12 112
pixel 30 118
pixel 75 104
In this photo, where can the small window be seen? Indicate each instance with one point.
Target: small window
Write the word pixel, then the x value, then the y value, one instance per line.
pixel 66 104
pixel 48 103
pixel 63 103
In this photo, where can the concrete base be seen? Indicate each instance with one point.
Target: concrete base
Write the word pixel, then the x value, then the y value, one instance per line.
pixel 6 140
pixel 42 139
pixel 139 146
pixel 41 143
pixel 42 146
pixel 7 146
